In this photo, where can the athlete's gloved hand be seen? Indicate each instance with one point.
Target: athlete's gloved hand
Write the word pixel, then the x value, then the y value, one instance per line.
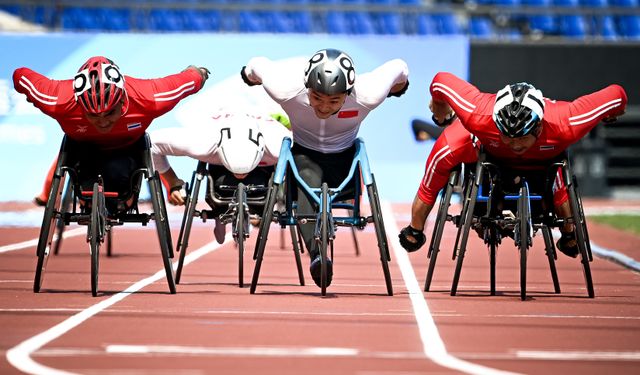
pixel 178 193
pixel 401 92
pixel 409 232
pixel 246 79
pixel 204 72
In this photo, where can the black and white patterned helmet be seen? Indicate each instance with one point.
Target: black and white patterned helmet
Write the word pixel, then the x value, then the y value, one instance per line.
pixel 330 71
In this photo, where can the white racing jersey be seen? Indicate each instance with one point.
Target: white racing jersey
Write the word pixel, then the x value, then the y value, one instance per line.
pixel 201 142
pixel 338 132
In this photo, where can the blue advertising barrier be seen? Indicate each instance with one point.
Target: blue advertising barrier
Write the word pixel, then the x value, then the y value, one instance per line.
pixel 29 140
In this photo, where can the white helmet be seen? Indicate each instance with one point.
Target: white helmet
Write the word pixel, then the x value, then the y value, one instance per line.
pixel 241 144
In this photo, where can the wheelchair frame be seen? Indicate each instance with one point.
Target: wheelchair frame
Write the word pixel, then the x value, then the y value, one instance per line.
pixel 325 222
pixel 524 225
pixel 98 220
pixel 237 214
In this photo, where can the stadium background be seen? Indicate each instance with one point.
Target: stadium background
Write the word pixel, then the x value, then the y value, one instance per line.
pixel 566 48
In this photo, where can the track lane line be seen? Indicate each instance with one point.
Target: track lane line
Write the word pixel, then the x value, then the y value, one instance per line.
pixel 34 242
pixel 19 356
pixel 433 346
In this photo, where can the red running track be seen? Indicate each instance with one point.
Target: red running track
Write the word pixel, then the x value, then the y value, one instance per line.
pixel 212 326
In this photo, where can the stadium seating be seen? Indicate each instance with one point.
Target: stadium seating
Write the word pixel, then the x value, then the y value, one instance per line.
pixel 449 17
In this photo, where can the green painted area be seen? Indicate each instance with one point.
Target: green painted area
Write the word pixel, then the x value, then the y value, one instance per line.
pixel 629 223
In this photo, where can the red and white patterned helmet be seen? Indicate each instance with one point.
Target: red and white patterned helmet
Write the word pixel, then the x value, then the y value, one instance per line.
pixel 99 85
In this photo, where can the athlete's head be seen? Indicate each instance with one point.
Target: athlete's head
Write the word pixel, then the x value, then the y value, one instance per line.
pixel 518 113
pixel 241 145
pixel 99 89
pixel 329 76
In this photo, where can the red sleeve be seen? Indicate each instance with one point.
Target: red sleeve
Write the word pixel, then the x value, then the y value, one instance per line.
pixel 160 95
pixel 587 111
pixel 461 96
pixel 50 96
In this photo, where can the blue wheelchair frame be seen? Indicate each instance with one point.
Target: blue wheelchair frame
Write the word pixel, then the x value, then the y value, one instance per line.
pixel 326 199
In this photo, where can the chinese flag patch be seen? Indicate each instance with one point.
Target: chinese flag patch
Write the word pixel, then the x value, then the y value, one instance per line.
pixel 347 114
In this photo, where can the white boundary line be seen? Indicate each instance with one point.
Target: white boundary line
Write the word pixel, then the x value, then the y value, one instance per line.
pixel 20 355
pixel 433 346
pixel 34 242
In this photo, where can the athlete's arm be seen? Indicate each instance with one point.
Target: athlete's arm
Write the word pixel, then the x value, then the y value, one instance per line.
pixel 163 94
pixel 587 111
pixel 372 88
pixel 49 96
pixel 282 80
pixel 449 91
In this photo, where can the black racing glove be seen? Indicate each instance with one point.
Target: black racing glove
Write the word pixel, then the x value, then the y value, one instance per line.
pixel 447 121
pixel 417 234
pixel 245 78
pixel 401 92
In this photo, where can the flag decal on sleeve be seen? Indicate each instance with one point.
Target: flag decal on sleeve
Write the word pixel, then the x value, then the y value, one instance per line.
pixel 134 126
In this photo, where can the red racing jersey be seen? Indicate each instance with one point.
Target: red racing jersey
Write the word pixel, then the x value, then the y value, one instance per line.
pixel 564 123
pixel 146 100
pixel 454 146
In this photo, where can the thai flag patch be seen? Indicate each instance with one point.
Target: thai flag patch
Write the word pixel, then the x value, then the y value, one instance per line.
pixel 134 126
pixel 347 114
pixel 546 147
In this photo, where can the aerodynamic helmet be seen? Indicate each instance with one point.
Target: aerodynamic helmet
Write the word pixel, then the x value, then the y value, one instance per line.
pixel 518 109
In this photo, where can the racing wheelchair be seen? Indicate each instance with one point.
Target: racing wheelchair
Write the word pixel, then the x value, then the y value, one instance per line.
pixel 510 208
pixel 230 203
pixel 326 199
pixel 100 210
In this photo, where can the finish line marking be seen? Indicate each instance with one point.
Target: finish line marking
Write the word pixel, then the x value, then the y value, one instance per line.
pixel 20 355
pixel 433 346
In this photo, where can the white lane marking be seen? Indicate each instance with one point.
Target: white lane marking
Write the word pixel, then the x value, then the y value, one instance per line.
pixel 260 351
pixel 20 355
pixel 433 345
pixel 578 355
pixel 34 242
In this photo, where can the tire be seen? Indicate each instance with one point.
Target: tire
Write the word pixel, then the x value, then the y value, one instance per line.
pixel 95 234
pixel 185 228
pixel 493 248
pixel 383 245
pixel 296 252
pixel 581 237
pixel 162 226
pixel 524 218
pixel 239 230
pixel 51 216
pixel 438 229
pixel 583 220
pixel 67 200
pixel 550 251
pixel 263 233
pixel 324 236
pixel 463 234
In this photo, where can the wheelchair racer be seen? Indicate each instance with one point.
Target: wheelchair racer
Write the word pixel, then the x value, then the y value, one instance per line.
pixel 104 113
pixel 244 144
pixel 326 107
pixel 517 125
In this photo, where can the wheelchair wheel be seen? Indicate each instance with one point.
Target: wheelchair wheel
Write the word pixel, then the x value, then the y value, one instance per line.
pixel 324 236
pixel 583 220
pixel 493 248
pixel 261 241
pixel 96 230
pixel 438 228
pixel 522 237
pixel 239 230
pixel 465 227
pixel 297 245
pixel 551 256
pixel 162 226
pixel 383 245
pixel 67 200
pixel 581 237
pixel 185 228
pixel 52 214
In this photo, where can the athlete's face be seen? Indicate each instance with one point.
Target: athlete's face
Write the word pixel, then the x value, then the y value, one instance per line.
pixel 325 105
pixel 519 145
pixel 104 122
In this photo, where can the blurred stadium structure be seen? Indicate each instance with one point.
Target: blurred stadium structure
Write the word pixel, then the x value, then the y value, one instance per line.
pixel 565 47
pixel 482 19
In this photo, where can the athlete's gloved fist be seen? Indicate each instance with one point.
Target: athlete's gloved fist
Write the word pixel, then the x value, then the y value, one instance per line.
pixel 409 232
pixel 400 92
pixel 245 78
